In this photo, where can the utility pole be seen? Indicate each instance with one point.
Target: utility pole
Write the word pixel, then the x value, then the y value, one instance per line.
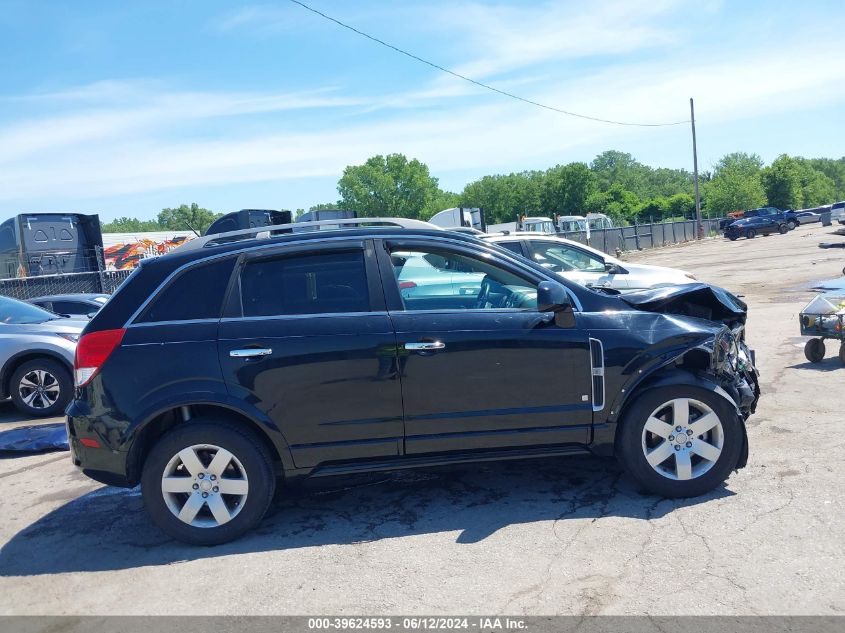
pixel 699 228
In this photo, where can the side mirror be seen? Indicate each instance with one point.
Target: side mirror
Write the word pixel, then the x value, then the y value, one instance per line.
pixel 552 297
pixel 614 269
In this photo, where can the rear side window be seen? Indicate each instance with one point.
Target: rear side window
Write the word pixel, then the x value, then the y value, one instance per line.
pixel 72 307
pixel 305 284
pixel 195 294
pixel 515 247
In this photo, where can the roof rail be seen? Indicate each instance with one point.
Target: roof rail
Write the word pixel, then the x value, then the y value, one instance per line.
pixel 265 232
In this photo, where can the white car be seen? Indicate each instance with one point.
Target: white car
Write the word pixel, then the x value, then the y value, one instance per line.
pixel 588 266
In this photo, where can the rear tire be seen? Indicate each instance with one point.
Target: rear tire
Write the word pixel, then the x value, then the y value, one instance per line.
pixel 41 388
pixel 732 237
pixel 792 224
pixel 188 473
pixel 842 353
pixel 694 463
pixel 751 234
pixel 783 229
pixel 814 350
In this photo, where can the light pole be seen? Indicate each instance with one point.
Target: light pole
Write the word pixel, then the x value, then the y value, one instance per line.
pixel 699 228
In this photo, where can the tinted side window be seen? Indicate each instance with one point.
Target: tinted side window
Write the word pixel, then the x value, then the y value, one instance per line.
pixel 516 247
pixel 72 307
pixel 305 284
pixel 195 294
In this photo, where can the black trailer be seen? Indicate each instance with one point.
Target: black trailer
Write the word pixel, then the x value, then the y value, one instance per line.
pixel 37 244
pixel 249 219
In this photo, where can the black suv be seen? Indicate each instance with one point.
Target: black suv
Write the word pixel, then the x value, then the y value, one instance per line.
pixel 245 357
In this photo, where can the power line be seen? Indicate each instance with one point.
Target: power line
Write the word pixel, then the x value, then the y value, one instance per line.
pixel 479 83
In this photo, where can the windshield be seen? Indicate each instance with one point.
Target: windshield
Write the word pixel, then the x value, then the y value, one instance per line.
pixel 540 226
pixel 17 312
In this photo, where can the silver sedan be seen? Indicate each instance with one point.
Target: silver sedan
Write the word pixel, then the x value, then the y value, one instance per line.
pixel 36 357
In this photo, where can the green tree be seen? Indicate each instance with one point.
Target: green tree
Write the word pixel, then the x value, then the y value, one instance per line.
pixel 732 189
pixel 324 205
pixel 566 188
pixel 187 218
pixel 681 205
pixel 391 186
pixel 442 200
pixel 739 162
pixel 655 209
pixel 782 183
pixel 835 170
pixel 130 225
pixel 617 202
pixel 817 188
pixel 504 197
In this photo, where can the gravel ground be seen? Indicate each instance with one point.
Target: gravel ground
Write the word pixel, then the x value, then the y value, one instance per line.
pixel 553 537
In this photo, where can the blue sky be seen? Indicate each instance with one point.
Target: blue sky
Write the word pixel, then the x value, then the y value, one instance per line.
pixel 123 108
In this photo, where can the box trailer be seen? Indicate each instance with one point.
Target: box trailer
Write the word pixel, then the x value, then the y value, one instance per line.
pixel 37 244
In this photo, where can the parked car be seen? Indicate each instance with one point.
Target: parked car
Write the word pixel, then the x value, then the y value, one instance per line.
pixel 36 355
pixel 837 212
pixel 588 266
pixel 226 363
pixel 752 227
pixel 808 217
pixel 80 305
pixel 787 217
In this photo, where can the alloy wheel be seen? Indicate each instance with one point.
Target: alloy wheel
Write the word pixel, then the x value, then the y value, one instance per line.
pixel 682 439
pixel 39 389
pixel 204 485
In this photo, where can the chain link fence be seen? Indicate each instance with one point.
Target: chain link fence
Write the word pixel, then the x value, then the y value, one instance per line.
pixel 641 236
pixel 106 281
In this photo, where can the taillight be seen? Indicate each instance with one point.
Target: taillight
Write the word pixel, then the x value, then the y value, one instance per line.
pixel 404 285
pixel 92 351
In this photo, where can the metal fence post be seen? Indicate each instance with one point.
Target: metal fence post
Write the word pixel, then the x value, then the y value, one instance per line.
pixel 637 235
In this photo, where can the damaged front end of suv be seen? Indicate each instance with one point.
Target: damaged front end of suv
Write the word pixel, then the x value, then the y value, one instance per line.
pixel 731 361
pixel 677 336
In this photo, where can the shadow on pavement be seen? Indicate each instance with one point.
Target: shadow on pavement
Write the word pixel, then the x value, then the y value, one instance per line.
pixel 828 364
pixel 108 529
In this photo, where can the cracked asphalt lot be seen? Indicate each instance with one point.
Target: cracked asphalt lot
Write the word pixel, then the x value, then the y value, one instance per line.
pixel 559 536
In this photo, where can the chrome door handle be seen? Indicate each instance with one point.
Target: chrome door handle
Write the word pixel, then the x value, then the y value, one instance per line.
pixel 421 347
pixel 252 352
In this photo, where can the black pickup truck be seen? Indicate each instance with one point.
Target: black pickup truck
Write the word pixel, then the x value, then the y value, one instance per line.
pixel 788 217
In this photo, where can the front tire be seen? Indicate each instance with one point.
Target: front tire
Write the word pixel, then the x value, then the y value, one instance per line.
pixel 814 350
pixel 697 458
pixel 41 387
pixel 207 482
pixel 784 229
pixel 792 224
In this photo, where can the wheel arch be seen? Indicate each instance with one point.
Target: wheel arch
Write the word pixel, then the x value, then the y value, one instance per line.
pixel 163 420
pixel 668 377
pixel 16 360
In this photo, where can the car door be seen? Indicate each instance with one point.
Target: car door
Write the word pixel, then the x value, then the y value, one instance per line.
pixel 579 265
pixel 306 339
pixel 490 373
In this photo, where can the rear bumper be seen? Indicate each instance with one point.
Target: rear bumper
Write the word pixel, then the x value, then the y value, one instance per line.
pixel 101 464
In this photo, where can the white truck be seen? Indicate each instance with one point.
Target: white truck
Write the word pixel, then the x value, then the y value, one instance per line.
pixel 571 223
pixel 525 224
pixel 460 217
